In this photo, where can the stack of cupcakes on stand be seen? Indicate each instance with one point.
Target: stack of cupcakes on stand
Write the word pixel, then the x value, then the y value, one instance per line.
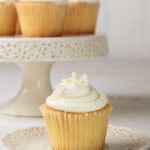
pixel 76 114
pixel 48 18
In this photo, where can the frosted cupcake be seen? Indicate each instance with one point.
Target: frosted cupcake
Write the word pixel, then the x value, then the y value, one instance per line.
pixel 8 17
pixel 81 17
pixel 41 18
pixel 76 116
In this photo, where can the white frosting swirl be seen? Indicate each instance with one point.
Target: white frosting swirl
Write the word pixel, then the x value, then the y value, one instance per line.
pixel 76 95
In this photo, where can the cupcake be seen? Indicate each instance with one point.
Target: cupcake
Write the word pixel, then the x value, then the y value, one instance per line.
pixel 76 116
pixel 39 18
pixel 81 17
pixel 8 17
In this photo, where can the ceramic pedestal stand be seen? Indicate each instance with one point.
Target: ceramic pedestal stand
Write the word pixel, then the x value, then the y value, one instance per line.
pixel 35 57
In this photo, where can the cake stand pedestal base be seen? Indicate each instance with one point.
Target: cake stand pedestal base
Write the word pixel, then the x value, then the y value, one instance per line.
pixel 35 56
pixel 35 89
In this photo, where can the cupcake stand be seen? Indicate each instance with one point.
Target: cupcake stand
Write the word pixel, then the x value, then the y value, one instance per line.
pixel 36 56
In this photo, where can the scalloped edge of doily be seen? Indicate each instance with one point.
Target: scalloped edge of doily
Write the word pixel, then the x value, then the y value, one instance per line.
pixel 145 147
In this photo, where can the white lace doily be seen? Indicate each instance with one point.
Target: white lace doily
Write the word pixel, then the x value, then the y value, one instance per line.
pixel 36 138
pixel 52 49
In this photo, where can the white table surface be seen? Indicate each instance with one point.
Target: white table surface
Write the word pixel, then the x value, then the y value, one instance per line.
pixel 127 112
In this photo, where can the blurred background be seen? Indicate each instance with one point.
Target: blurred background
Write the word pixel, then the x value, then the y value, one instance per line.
pixel 125 71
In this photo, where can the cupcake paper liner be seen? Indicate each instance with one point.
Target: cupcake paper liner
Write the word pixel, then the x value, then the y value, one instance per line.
pixel 76 131
pixel 8 17
pixel 81 18
pixel 18 29
pixel 41 19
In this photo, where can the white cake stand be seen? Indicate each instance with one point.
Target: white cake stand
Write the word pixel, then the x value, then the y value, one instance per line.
pixel 36 56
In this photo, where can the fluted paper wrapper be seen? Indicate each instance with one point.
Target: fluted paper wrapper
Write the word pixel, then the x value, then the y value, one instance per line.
pixel 41 19
pixel 76 131
pixel 8 17
pixel 81 18
pixel 18 29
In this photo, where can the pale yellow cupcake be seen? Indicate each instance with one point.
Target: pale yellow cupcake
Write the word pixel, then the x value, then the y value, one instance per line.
pixel 40 18
pixel 8 17
pixel 81 17
pixel 76 116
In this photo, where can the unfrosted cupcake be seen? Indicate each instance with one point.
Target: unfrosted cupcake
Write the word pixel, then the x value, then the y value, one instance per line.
pixel 8 17
pixel 76 116
pixel 81 17
pixel 41 18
